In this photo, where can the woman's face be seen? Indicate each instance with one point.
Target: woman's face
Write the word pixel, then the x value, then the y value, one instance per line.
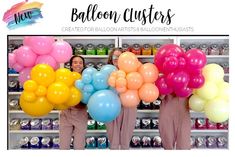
pixel 115 56
pixel 77 64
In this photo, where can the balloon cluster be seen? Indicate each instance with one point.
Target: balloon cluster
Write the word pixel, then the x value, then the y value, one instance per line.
pixel 38 50
pixel 182 71
pixel 134 81
pixel 212 98
pixel 49 89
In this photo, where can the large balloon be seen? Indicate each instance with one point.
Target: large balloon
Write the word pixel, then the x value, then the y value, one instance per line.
pixel 40 107
pixel 104 106
pixel 196 103
pixel 171 64
pixel 58 93
pixel 24 75
pixel 179 80
pixel 134 80
pixel 47 59
pixel 148 92
pixel 61 51
pixel 41 45
pixel 213 72
pixel 208 91
pixel 196 81
pixel 130 98
pixel 128 62
pixel 100 80
pixel 25 56
pixel 149 72
pixel 195 59
pixel 64 75
pixel 43 74
pixel 75 97
pixel 217 110
pixel 163 87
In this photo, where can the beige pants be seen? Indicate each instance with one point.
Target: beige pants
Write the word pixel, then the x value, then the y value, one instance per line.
pixel 73 121
pixel 121 129
pixel 175 123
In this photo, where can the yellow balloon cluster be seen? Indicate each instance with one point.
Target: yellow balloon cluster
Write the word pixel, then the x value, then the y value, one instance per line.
pixel 49 89
pixel 213 97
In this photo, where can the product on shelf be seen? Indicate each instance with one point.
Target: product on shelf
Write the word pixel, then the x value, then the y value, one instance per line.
pixel 90 64
pixel 192 141
pixel 126 48
pixel 35 142
pixel 184 47
pixel 200 123
pixel 224 50
pixel 46 124
pixel 25 124
pixel 192 46
pixel 36 124
pixel 156 104
pixel 135 141
pixel 146 49
pixel 137 123
pixel 55 124
pixel 146 141
pixel 136 49
pixel 24 143
pixel 193 125
pixel 91 124
pixel 11 48
pixel 56 142
pixel 13 85
pixel 21 88
pixel 99 65
pixel 101 126
pixel 101 49
pixel 225 66
pixel 90 142
pixel 15 124
pixel 200 142
pixel 214 49
pixel 110 48
pixel 156 141
pixel 90 49
pixel 14 104
pixel 79 49
pixel 223 125
pixel 146 105
pixel 46 142
pixel 222 142
pixel 211 142
pixel 204 48
pixel 102 142
pixel 156 48
pixel 146 123
pixel 12 71
pixel 154 123
pixel 210 124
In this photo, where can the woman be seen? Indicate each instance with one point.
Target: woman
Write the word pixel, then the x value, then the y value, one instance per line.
pixel 121 129
pixel 174 122
pixel 73 121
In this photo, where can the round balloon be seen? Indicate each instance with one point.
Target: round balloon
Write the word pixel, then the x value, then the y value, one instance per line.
pixel 100 80
pixel 128 62
pixel 196 103
pixel 61 51
pixel 208 91
pixel 149 72
pixel 75 97
pixel 58 93
pixel 195 59
pixel 25 56
pixel 130 98
pixel 41 91
pixel 163 87
pixel 41 45
pixel 64 75
pixel 134 80
pixel 213 72
pixel 148 92
pixel 30 86
pixel 47 59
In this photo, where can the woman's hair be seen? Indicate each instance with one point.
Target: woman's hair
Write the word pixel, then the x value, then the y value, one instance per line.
pixel 110 59
pixel 71 61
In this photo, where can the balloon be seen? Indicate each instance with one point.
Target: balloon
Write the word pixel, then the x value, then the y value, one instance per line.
pixel 195 59
pixel 43 74
pixel 75 97
pixel 30 86
pixel 130 98
pixel 121 82
pixel 61 51
pixel 28 96
pixel 149 72
pixel 163 87
pixel 104 106
pixel 61 107
pixel 128 62
pixel 196 81
pixel 183 92
pixel 89 70
pixel 76 76
pixel 208 91
pixel 213 72
pixel 18 67
pixel 112 81
pixel 58 93
pixel 148 92
pixel 64 75
pixel 121 89
pixel 223 90
pixel 41 91
pixel 41 45
pixel 100 80
pixel 108 69
pixel 86 78
pixel 26 41
pixel 169 78
pixel 25 56
pixel 170 65
pixel 40 107
pixel 121 73
pixel 217 110
pixel 88 88
pixel 47 59
pixel 85 97
pixel 11 59
pixel 179 80
pixel 181 63
pixel 24 75
pixel 196 103
pixel 134 80
pixel 79 84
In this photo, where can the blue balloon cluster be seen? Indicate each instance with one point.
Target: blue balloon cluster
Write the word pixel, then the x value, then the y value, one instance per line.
pixel 93 80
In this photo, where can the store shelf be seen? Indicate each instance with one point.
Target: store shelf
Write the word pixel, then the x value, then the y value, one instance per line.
pixel 15 93
pixel 94 56
pixel 34 131
pixel 13 75
pixel 22 112
pixel 217 56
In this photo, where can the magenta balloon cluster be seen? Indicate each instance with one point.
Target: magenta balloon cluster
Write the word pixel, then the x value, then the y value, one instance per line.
pixel 181 71
pixel 38 50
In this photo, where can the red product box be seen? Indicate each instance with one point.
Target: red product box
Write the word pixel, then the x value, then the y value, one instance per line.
pixel 210 125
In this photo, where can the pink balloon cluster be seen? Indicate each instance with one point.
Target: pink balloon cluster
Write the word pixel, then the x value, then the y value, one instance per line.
pixel 182 71
pixel 38 50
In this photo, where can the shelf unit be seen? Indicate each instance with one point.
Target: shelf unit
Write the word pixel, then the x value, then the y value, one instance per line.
pixel 15 135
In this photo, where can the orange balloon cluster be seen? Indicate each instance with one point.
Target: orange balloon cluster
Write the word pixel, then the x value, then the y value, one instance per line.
pixel 134 81
pixel 49 89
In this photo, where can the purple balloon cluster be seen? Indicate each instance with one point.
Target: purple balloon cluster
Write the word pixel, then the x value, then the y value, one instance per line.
pixel 182 71
pixel 38 50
